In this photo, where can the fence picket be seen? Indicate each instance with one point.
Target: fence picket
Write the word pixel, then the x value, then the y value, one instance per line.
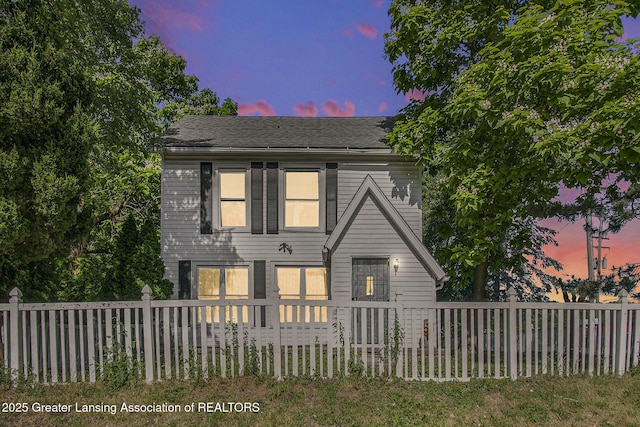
pixel 56 342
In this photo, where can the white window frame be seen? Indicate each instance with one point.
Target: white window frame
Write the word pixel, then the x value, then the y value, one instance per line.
pixel 217 194
pixel 246 314
pixel 320 168
pixel 303 316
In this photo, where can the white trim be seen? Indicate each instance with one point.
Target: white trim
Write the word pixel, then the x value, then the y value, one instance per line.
pixel 217 202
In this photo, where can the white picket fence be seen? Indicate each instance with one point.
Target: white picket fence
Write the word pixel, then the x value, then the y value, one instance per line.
pixel 68 342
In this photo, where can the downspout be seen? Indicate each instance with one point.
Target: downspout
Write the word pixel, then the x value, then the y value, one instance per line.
pixel 440 282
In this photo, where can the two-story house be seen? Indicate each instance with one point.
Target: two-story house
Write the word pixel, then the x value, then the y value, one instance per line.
pixel 300 208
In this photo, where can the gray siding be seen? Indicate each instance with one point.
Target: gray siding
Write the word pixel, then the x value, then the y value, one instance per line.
pixel 400 182
pixel 371 235
pixel 181 238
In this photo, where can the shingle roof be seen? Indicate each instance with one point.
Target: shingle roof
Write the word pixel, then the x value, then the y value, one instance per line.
pixel 279 132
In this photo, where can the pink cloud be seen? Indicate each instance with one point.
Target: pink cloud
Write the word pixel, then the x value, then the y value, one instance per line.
pixel 378 3
pixel 382 107
pixel 168 19
pixel 367 30
pixel 332 108
pixel 347 32
pixel 309 110
pixel 261 108
pixel 414 95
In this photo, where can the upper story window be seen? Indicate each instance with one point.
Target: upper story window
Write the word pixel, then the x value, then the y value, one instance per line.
pixel 302 199
pixel 233 202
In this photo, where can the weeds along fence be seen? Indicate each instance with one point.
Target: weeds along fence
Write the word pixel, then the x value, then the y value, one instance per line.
pixel 69 342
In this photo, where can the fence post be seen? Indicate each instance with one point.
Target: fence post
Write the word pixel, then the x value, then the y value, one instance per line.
pixel 432 336
pixel 513 336
pixel 15 298
pixel 277 340
pixel 147 330
pixel 621 344
pixel 400 361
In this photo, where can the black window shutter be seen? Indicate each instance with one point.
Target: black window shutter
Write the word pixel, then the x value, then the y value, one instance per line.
pixel 259 280
pixel 260 287
pixel 184 279
pixel 256 197
pixel 332 196
pixel 272 198
pixel 206 202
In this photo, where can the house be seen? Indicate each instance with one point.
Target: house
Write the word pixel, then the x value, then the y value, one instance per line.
pixel 292 208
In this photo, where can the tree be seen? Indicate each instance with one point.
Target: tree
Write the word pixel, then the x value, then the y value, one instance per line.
pixel 525 270
pixel 81 96
pixel 134 261
pixel 520 98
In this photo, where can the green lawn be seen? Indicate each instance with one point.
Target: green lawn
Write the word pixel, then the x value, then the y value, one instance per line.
pixel 578 400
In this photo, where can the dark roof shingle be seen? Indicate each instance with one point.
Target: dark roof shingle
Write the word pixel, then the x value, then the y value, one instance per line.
pixel 279 132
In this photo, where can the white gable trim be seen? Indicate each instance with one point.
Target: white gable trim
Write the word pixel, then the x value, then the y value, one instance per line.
pixel 371 189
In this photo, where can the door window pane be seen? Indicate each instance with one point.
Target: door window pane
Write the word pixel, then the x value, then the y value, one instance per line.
pixel 370 286
pixel 370 279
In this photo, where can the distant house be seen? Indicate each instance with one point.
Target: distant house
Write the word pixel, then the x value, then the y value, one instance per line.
pixel 292 208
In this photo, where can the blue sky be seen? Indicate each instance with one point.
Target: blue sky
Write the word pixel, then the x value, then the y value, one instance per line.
pixel 286 57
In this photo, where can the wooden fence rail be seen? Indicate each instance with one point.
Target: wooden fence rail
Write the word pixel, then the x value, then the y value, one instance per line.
pixel 69 342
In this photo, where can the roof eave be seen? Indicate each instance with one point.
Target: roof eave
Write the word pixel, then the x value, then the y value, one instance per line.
pixel 235 153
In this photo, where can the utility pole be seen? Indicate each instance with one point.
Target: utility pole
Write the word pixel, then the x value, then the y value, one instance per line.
pixel 599 262
pixel 589 229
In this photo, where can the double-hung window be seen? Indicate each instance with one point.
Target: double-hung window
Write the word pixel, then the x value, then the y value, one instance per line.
pixel 233 198
pixel 301 199
pixel 304 284
pixel 224 283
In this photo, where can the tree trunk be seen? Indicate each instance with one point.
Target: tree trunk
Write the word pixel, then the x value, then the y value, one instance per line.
pixel 480 273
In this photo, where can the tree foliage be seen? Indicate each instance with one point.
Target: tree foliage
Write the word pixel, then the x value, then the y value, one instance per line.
pixel 520 98
pixel 524 269
pixel 81 97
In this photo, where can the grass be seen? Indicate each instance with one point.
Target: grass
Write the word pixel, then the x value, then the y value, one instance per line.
pixel 545 400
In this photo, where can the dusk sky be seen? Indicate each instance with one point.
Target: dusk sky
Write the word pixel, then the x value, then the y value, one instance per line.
pixel 316 58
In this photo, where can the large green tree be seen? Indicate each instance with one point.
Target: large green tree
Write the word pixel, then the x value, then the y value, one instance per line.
pixel 81 97
pixel 520 98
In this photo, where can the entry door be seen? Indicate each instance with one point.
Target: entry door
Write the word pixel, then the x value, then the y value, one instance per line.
pixel 370 279
pixel 369 282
